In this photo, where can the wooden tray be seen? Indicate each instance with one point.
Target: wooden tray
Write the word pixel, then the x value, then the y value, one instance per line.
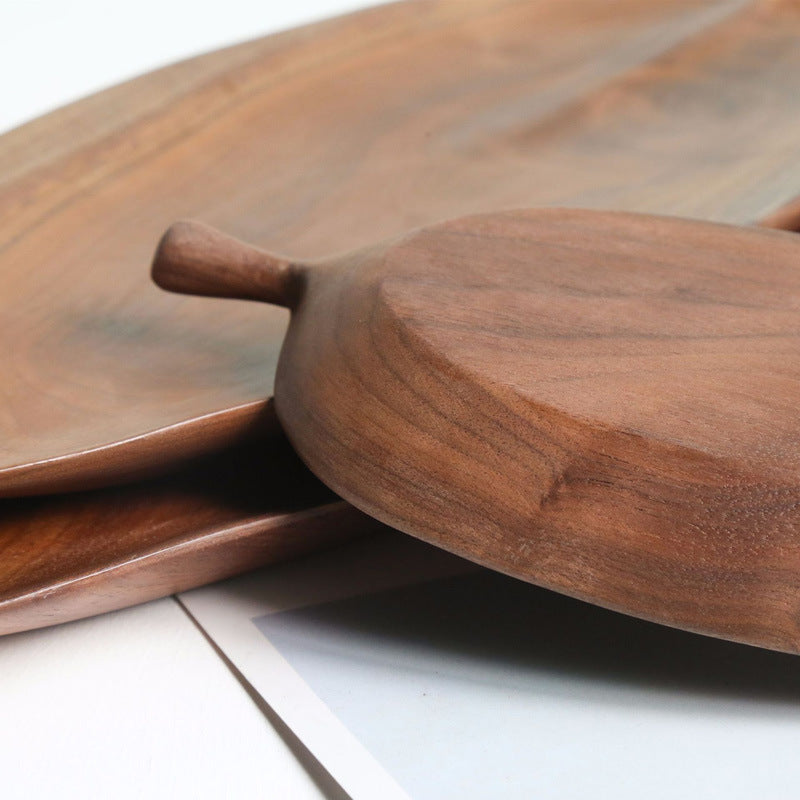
pixel 311 142
pixel 329 137
pixel 64 557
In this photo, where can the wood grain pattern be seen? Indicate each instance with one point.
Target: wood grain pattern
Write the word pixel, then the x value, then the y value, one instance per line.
pixel 93 359
pixel 390 118
pixel 604 404
pixel 67 557
pixel 94 354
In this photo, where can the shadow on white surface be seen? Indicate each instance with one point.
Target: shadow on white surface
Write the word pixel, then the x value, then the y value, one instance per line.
pixel 488 619
pixel 479 685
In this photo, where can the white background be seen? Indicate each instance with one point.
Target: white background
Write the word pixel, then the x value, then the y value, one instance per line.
pixel 56 51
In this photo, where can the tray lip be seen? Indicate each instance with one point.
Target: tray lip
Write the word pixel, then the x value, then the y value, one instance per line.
pixel 130 458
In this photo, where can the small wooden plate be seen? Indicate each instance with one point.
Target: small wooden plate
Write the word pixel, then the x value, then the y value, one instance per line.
pixel 601 403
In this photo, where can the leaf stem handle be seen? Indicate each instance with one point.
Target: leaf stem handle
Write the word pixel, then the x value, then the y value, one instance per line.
pixel 193 258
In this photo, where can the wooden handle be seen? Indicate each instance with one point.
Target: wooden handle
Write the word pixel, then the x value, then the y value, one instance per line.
pixel 193 258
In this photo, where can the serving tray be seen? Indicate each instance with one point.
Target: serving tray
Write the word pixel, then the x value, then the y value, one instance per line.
pixel 330 137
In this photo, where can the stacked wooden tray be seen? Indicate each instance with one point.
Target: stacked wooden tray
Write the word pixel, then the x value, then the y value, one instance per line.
pixel 312 142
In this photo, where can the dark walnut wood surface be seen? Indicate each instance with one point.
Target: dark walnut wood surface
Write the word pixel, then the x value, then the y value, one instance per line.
pixel 67 557
pixel 321 140
pixel 331 137
pixel 108 380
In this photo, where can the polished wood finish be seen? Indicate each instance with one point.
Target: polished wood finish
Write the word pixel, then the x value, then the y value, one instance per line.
pixel 145 455
pixel 66 557
pixel 601 403
pixel 107 377
pixel 328 138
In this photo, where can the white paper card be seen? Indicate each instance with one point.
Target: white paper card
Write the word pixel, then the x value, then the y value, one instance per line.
pixel 401 667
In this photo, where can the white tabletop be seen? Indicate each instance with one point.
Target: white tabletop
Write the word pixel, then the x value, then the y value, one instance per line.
pixel 134 704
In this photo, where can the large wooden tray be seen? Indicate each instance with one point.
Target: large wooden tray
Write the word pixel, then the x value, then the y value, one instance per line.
pixel 330 137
